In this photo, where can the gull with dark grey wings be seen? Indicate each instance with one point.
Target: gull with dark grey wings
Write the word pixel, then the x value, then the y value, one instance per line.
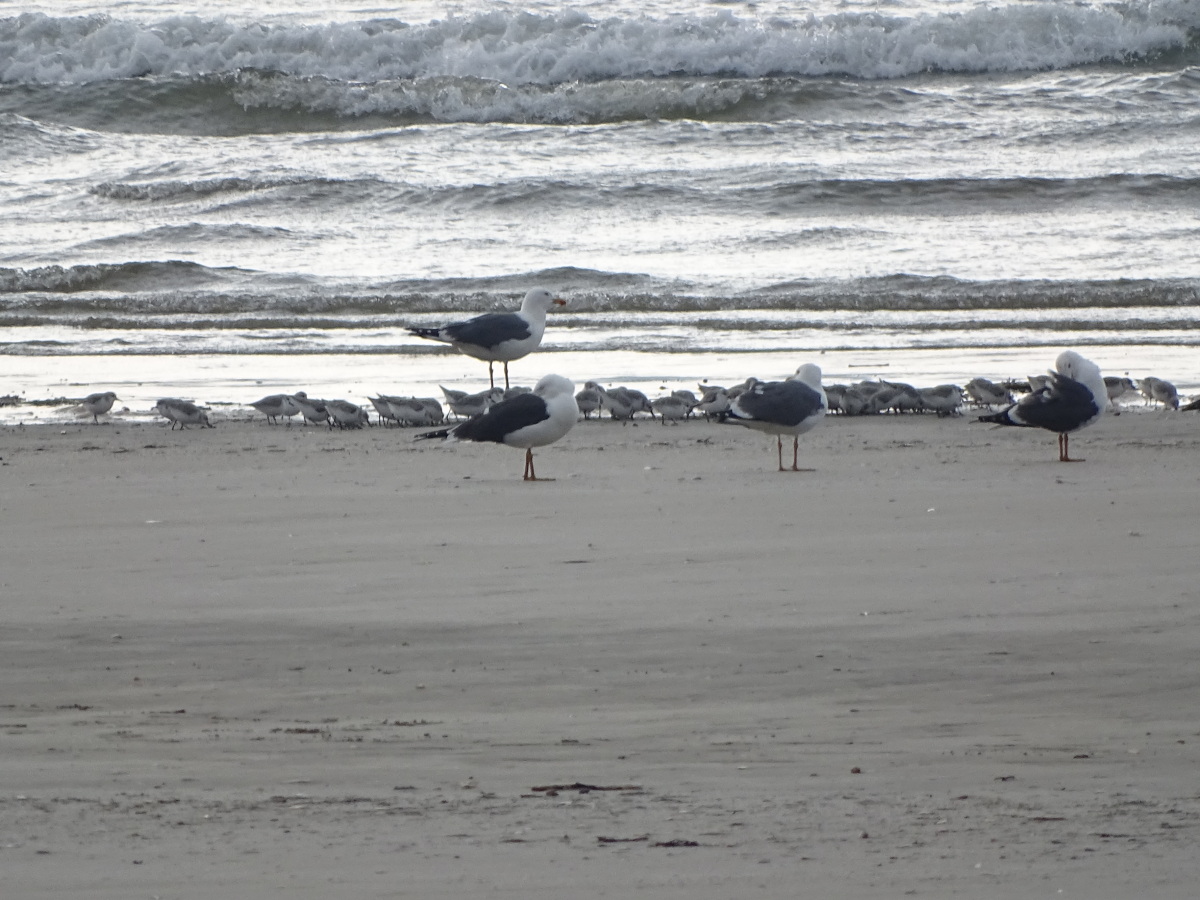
pixel 1073 398
pixel 526 420
pixel 498 337
pixel 793 407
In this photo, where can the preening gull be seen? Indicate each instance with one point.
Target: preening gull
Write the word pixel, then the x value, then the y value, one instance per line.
pixel 98 404
pixel 498 337
pixel 526 420
pixel 1074 398
pixel 782 407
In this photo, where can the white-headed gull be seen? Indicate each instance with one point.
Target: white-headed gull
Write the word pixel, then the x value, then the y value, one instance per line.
pixel 498 337
pixel 527 420
pixel 1074 398
pixel 782 407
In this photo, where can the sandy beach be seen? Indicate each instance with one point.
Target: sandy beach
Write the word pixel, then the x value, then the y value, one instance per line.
pixel 261 661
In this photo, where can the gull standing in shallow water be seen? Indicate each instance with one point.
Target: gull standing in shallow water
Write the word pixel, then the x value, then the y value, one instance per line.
pixel 1074 398
pixel 782 407
pixel 498 337
pixel 527 420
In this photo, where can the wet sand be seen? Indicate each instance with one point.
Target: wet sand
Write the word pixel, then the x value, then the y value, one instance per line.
pixel 257 661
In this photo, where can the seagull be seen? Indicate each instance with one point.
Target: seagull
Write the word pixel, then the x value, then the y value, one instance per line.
pixel 782 407
pixel 1074 398
pixel 98 404
pixel 182 413
pixel 277 405
pixel 498 337
pixel 527 420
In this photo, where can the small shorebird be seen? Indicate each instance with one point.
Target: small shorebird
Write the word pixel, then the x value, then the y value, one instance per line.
pixel 1073 398
pixel 715 402
pixel 312 410
pixel 467 406
pixel 790 407
pixel 182 413
pixel 1117 386
pixel 345 414
pixel 277 405
pixel 622 402
pixel 419 411
pixel 588 400
pixel 99 404
pixel 985 393
pixel 1156 391
pixel 527 420
pixel 943 399
pixel 671 408
pixel 498 337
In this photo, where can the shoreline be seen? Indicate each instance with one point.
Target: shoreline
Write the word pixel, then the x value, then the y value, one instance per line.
pixel 235 381
pixel 267 660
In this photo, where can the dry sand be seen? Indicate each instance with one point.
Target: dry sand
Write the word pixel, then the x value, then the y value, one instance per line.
pixel 256 661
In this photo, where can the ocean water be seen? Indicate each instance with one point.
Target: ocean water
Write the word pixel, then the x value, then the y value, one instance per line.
pixel 228 200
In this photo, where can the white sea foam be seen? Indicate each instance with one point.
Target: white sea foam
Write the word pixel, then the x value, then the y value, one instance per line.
pixel 522 48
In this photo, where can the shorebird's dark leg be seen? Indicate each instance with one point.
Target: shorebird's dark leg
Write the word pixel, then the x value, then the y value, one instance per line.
pixel 506 376
pixel 491 374
pixel 779 446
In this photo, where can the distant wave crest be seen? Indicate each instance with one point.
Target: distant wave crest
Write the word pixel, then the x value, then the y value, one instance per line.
pixel 174 288
pixel 512 47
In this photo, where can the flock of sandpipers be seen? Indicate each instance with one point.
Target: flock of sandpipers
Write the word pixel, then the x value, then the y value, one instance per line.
pixel 1071 396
